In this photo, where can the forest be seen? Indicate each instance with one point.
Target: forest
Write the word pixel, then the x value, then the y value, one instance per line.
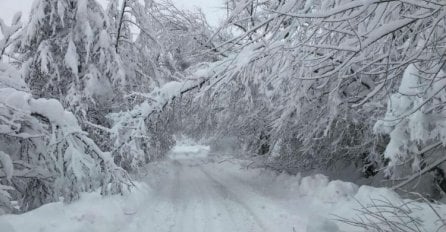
pixel 328 113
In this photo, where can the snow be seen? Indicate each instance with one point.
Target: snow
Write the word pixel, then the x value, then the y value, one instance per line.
pixel 91 213
pixel 11 78
pixel 245 56
pixel 215 193
pixel 45 58
pixel 338 190
pixel 96 87
pixel 321 224
pixel 50 108
pixel 410 82
pixel 384 30
pixel 167 91
pixel 54 111
pixel 61 11
pixel 408 122
pixel 7 166
pixel 186 151
pixel 104 40
pixel 71 57
pixel 312 184
pixel 212 9
pixel 5 226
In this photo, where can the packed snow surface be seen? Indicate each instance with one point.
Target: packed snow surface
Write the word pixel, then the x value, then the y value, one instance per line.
pixel 206 192
pixel 189 151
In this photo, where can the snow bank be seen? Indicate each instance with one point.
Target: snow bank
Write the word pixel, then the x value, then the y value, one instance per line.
pixel 323 201
pixel 338 190
pixel 92 212
pixel 313 184
pixel 321 224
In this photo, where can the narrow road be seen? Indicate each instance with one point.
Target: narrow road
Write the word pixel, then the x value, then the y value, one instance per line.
pixel 199 197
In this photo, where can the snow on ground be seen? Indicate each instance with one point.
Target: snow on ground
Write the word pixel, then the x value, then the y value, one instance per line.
pixel 188 150
pixel 193 191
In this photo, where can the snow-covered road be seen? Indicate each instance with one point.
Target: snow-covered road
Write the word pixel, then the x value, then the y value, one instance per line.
pixel 199 197
pixel 193 192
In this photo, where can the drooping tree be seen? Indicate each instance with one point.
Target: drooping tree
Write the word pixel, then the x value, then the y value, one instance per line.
pixel 159 45
pixel 313 76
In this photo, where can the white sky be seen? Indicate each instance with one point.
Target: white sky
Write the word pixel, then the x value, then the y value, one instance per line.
pixel 212 8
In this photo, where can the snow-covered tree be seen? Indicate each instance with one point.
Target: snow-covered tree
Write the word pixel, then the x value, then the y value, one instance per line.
pixel 67 54
pixel 312 75
pixel 44 152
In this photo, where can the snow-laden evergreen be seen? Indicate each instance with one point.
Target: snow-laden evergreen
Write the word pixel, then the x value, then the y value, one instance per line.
pixel 68 55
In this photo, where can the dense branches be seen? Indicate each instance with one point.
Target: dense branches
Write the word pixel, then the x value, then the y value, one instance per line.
pixel 312 77
pixel 46 155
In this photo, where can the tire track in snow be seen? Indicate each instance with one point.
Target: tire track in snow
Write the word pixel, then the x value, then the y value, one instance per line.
pixel 226 193
pixel 263 206
pixel 222 212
